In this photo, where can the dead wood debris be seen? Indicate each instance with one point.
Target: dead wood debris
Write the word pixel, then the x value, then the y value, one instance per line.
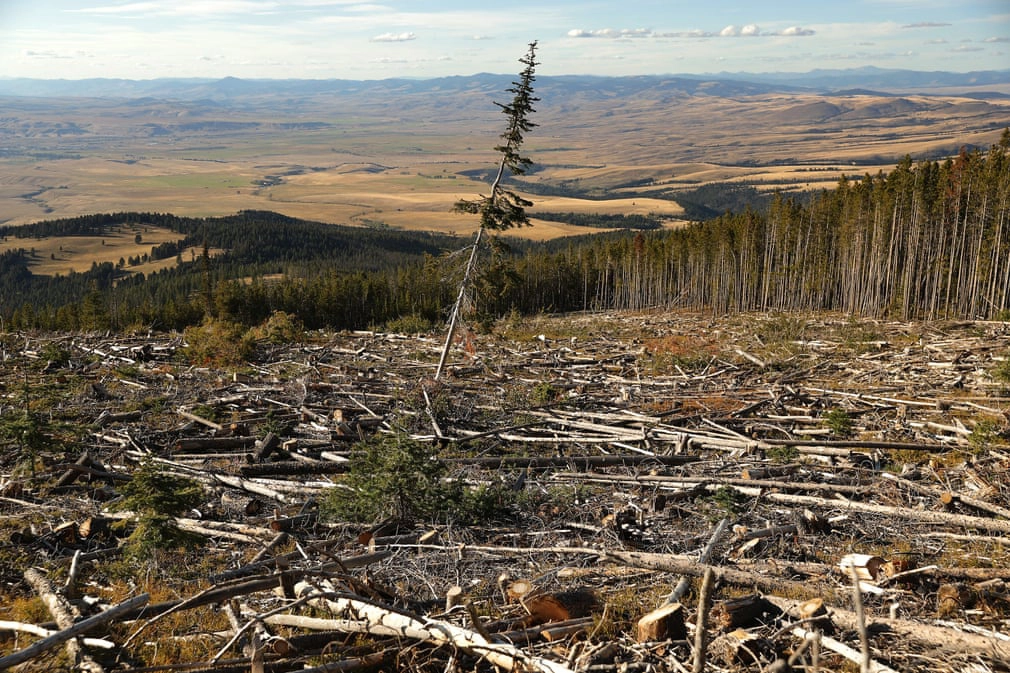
pixel 826 448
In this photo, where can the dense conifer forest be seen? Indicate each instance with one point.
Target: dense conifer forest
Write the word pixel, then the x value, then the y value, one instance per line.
pixel 927 240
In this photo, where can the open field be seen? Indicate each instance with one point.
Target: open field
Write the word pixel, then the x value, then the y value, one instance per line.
pixel 60 256
pixel 401 158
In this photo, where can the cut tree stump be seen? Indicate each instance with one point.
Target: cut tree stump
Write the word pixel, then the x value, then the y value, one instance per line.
pixel 663 623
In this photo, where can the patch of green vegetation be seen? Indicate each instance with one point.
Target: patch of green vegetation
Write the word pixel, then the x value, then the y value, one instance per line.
pixel 409 324
pixel 663 364
pixel 524 328
pixel 279 328
pixel 128 371
pixel 154 403
pixel 781 329
pixel 985 433
pixel 838 421
pixel 1001 372
pixel 782 454
pixel 28 432
pixel 274 423
pixel 725 501
pixel 156 498
pixel 217 343
pixel 860 336
pixel 207 412
pixel 544 393
pixel 394 476
pixel 55 354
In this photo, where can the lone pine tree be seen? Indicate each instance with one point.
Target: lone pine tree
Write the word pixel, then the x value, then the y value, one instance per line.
pixel 502 208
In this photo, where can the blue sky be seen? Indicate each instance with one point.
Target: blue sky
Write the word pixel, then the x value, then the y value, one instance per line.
pixel 358 39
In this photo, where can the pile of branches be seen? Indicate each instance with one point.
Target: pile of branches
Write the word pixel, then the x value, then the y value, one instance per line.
pixel 672 493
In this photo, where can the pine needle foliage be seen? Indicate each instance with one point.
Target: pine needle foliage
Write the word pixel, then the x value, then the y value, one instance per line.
pixel 393 476
pixel 502 208
pixel 157 497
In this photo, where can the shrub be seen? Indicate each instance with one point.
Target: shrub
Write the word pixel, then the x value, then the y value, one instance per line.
pixel 29 432
pixel 279 328
pixel 782 454
pixel 725 501
pixel 1001 372
pixel 394 476
pixel 156 498
pixel 839 422
pixel 217 343
pixel 985 433
pixel 409 324
pixel 56 354
pixel 544 393
pixel 781 328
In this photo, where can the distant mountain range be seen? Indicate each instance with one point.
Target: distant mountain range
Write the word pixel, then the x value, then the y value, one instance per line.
pixel 877 80
pixel 873 78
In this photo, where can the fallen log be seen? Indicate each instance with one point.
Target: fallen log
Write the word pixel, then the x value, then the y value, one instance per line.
pixel 292 468
pixel 363 616
pixel 205 444
pixel 78 628
pixel 687 566
pixel 37 630
pixel 62 611
pixel 939 637
pixel 841 648
pixel 579 462
pixel 925 516
pixel 243 587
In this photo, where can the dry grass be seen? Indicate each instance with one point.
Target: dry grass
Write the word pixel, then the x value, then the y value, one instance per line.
pixel 60 256
pixel 76 253
pixel 387 164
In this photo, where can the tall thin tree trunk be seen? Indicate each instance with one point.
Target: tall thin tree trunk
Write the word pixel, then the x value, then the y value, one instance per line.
pixel 458 306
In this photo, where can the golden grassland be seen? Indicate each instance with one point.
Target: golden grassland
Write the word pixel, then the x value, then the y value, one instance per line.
pixel 383 166
pixel 60 256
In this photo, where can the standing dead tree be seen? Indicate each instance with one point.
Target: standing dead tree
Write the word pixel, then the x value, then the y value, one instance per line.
pixel 502 208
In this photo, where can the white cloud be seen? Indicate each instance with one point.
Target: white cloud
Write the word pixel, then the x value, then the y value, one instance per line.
pixel 750 30
pixel 611 33
pixel 796 31
pixel 31 53
pixel 395 37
